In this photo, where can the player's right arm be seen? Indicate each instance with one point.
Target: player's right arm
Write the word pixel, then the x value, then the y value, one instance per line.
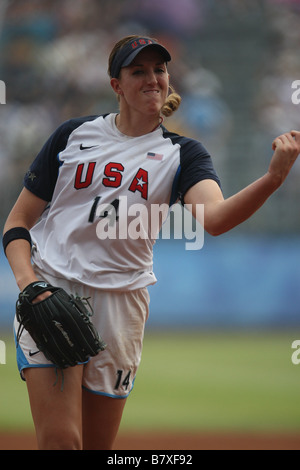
pixel 221 215
pixel 25 213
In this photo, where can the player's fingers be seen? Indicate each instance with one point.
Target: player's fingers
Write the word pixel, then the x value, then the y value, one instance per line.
pixel 295 135
pixel 276 143
pixel 293 144
pixel 286 140
pixel 41 297
pixel 290 137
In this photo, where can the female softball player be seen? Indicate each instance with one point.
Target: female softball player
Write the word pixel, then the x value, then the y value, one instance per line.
pixel 73 226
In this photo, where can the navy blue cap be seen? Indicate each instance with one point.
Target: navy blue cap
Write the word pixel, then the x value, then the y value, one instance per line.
pixel 127 53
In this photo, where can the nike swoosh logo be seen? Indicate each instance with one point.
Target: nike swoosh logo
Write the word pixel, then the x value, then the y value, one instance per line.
pixel 33 353
pixel 82 147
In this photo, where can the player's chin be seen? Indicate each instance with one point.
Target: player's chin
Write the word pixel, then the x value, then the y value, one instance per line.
pixel 153 109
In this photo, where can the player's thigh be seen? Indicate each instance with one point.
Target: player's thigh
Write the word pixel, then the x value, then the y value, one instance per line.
pixel 101 420
pixel 56 405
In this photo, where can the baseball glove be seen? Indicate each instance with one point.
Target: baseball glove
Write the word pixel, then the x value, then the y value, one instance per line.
pixel 60 325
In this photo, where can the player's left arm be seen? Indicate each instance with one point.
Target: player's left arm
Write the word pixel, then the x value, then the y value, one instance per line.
pixel 25 213
pixel 221 215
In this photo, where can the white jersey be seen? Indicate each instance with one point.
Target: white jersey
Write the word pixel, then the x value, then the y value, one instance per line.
pixel 97 182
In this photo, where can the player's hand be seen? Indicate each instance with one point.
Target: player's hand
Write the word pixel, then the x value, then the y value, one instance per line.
pixel 41 297
pixel 286 150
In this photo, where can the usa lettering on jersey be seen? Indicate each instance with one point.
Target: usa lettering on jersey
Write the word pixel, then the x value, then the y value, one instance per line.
pixel 113 178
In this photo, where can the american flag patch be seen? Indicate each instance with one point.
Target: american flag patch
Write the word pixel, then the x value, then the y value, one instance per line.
pixel 155 156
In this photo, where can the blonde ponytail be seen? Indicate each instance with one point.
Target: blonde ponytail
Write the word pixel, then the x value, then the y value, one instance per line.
pixel 172 103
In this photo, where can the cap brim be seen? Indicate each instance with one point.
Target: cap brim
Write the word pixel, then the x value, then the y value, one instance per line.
pixel 134 53
pixel 127 54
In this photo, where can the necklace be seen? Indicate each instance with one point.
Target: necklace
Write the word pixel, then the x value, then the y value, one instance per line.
pixel 160 121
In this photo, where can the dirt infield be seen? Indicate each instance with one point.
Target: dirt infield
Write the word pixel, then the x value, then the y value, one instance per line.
pixel 173 441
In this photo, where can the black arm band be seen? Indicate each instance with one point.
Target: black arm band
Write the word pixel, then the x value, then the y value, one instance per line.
pixel 15 233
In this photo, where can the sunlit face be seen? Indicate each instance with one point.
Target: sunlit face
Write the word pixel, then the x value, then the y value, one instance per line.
pixel 143 85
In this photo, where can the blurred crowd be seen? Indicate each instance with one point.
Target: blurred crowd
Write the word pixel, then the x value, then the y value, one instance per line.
pixel 233 63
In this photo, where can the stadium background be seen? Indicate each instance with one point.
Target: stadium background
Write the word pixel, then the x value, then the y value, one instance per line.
pixel 234 64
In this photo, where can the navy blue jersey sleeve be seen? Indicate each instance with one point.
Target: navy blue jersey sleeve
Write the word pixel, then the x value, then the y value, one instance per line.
pixel 196 165
pixel 41 177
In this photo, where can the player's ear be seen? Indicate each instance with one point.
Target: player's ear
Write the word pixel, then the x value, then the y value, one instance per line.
pixel 115 84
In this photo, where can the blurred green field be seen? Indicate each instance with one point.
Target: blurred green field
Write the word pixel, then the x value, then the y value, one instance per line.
pixel 237 381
